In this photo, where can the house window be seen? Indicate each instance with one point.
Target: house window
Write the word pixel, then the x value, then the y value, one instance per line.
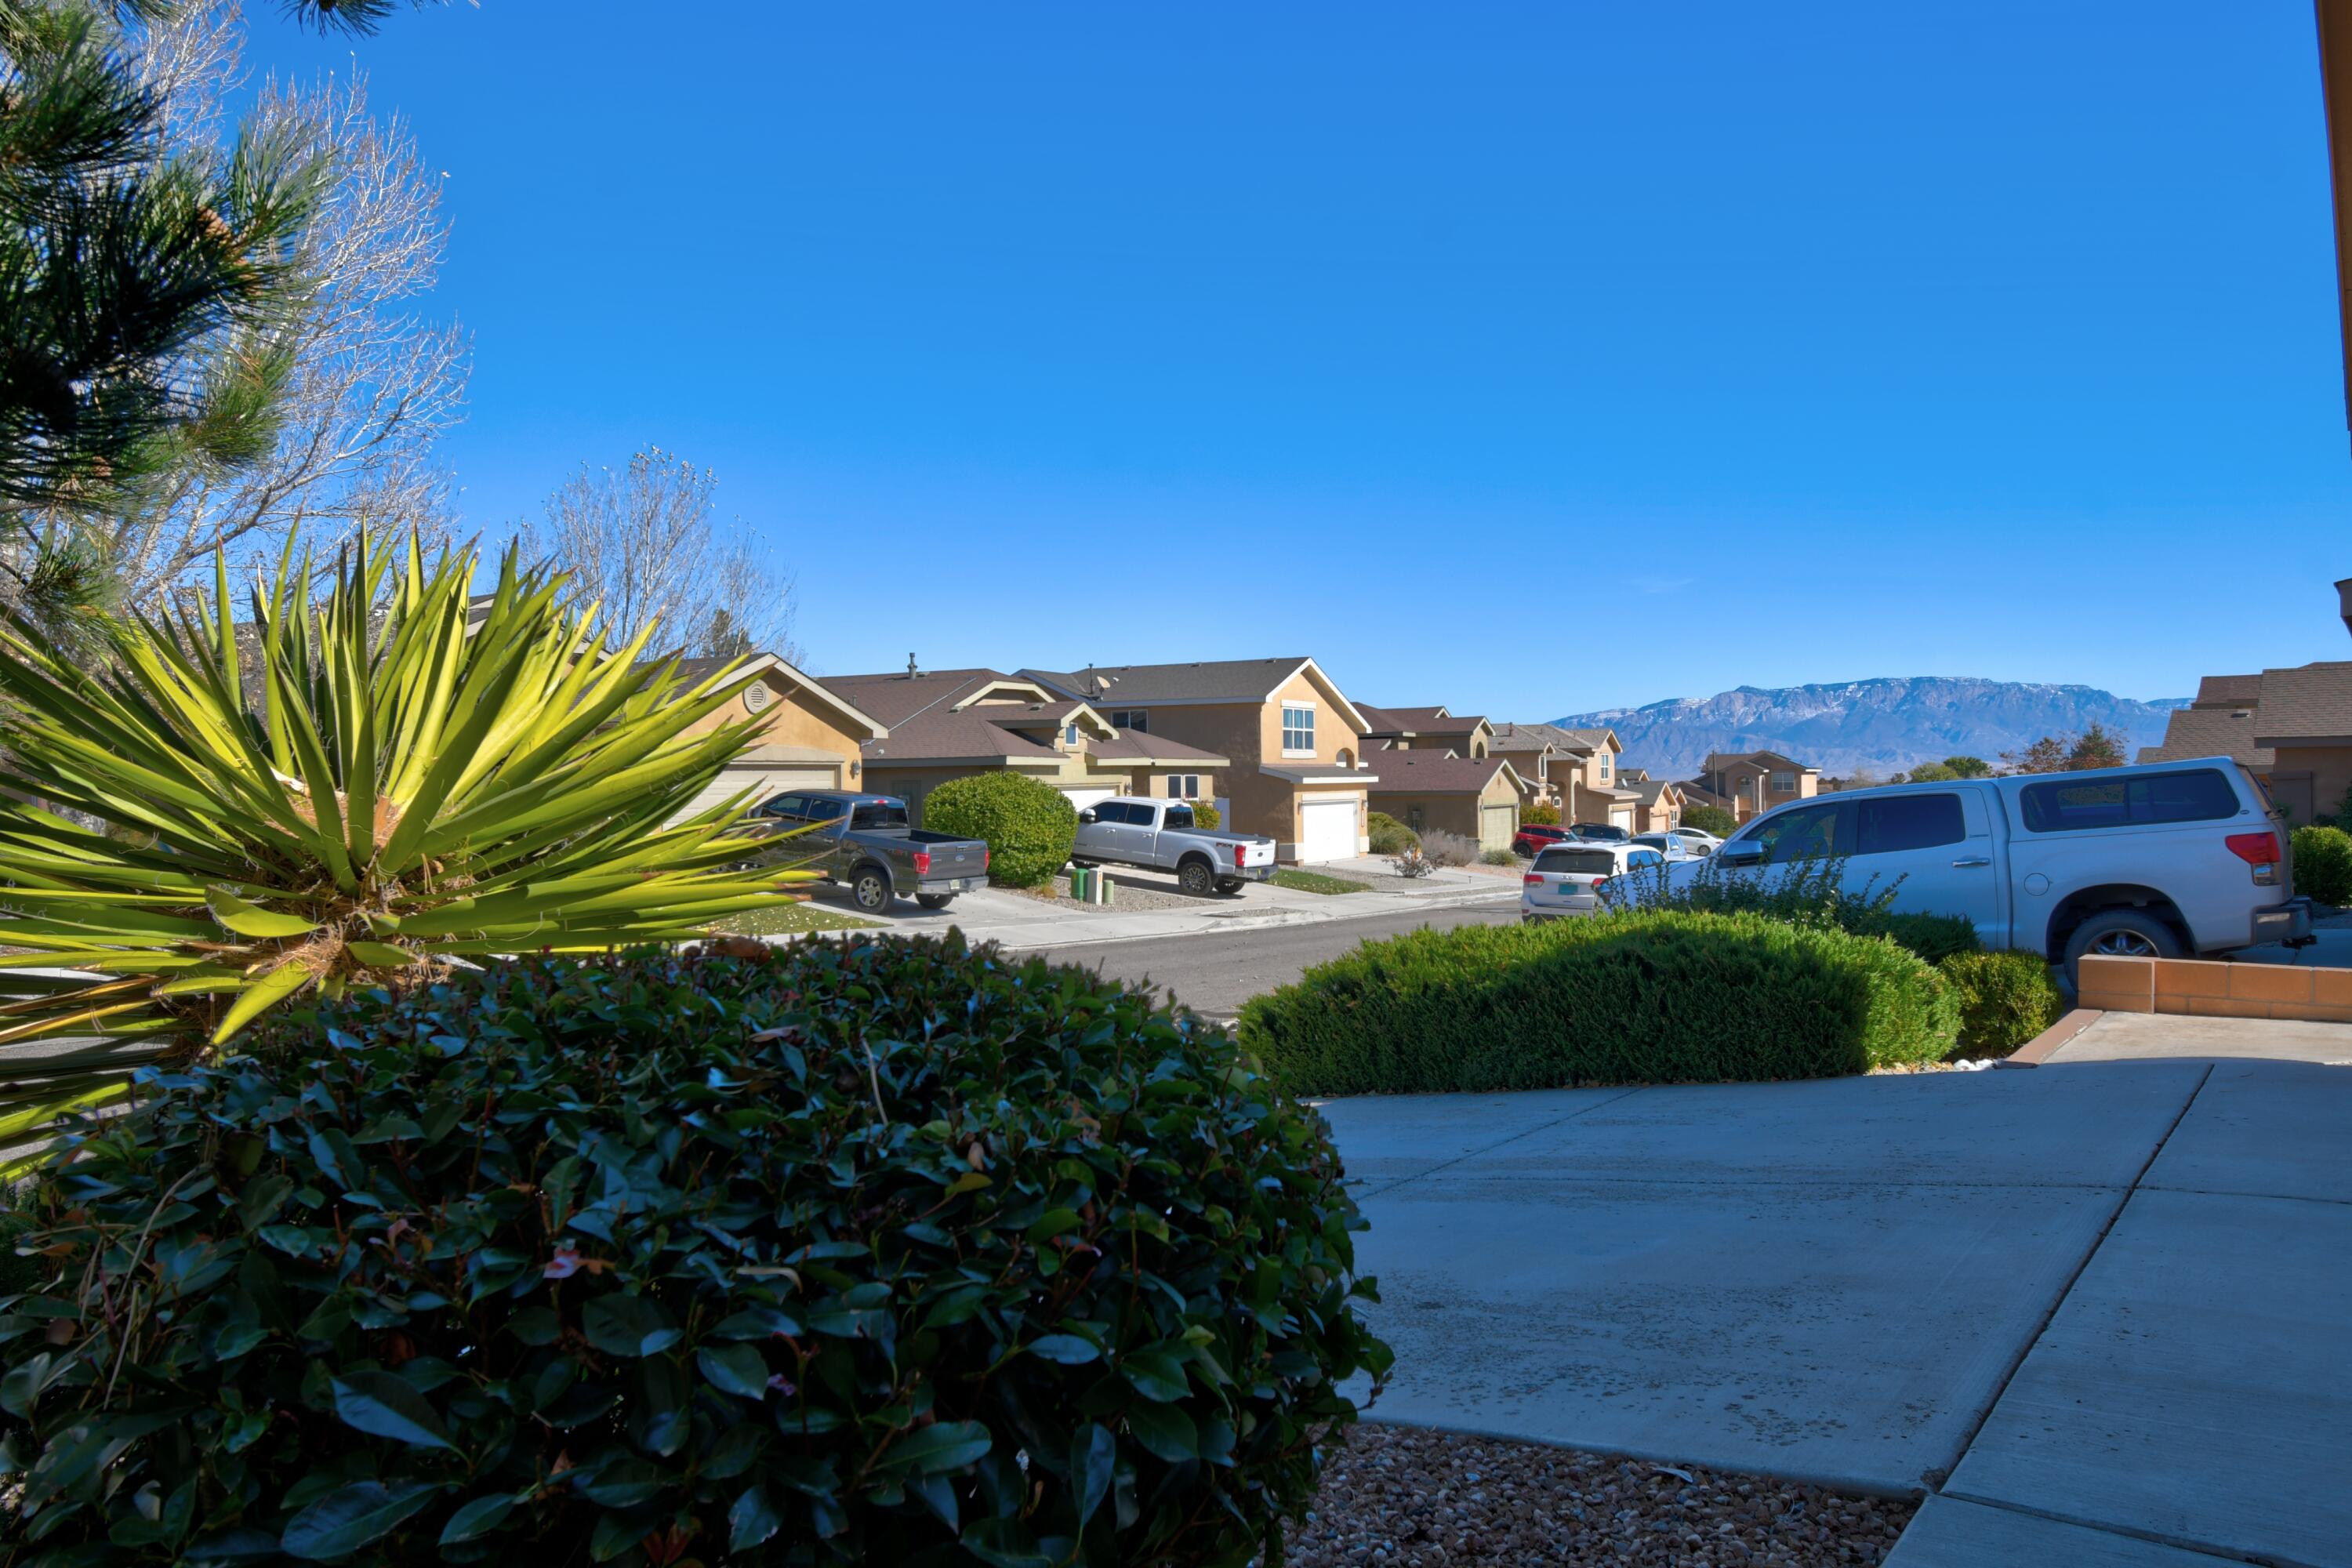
pixel 1069 734
pixel 1784 782
pixel 1130 719
pixel 1604 767
pixel 1298 729
pixel 1183 786
pixel 1415 817
pixel 1346 759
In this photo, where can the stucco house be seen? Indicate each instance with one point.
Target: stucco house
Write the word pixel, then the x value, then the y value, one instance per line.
pixel 1536 750
pixel 1747 783
pixel 951 723
pixel 1477 797
pixel 2294 725
pixel 1657 803
pixel 806 736
pixel 1291 745
pixel 1599 794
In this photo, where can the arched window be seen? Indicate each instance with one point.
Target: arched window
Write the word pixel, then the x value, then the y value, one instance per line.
pixel 1347 758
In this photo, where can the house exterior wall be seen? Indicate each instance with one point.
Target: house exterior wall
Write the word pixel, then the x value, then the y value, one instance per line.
pixel 1249 734
pixel 1666 813
pixel 1454 811
pixel 1749 785
pixel 790 717
pixel 2310 781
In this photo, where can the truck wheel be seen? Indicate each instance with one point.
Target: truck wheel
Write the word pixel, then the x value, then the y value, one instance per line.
pixel 1196 877
pixel 2121 934
pixel 869 890
pixel 1230 885
pixel 935 901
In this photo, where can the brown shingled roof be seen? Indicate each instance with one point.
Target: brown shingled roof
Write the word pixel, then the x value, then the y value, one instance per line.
pixel 2211 733
pixel 2229 691
pixel 2309 705
pixel 1435 773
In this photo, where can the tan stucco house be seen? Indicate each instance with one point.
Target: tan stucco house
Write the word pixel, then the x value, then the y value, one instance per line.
pixel 1477 797
pixel 950 723
pixel 806 736
pixel 1747 783
pixel 1657 803
pixel 2292 725
pixel 1426 729
pixel 1294 768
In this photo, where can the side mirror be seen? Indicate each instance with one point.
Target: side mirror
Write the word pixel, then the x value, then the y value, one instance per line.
pixel 1089 815
pixel 1745 852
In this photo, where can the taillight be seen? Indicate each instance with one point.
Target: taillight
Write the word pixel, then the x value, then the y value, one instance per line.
pixel 1532 880
pixel 1237 855
pixel 922 862
pixel 2254 848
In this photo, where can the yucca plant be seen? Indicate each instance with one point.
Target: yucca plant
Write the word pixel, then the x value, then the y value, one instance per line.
pixel 349 794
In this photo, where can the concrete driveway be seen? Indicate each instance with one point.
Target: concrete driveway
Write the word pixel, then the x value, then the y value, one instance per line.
pixel 2105 1297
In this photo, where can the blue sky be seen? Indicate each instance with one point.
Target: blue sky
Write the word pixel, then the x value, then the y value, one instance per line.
pixel 1527 358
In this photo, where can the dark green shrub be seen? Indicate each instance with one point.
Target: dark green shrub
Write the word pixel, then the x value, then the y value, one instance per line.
pixel 1029 826
pixel 2323 863
pixel 1206 815
pixel 870 1252
pixel 2004 999
pixel 1388 836
pixel 1711 819
pixel 1933 937
pixel 1539 814
pixel 1810 892
pixel 1630 998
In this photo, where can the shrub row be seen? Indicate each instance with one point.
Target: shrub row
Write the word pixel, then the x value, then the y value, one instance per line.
pixel 864 1252
pixel 2004 999
pixel 1388 836
pixel 2323 863
pixel 1634 998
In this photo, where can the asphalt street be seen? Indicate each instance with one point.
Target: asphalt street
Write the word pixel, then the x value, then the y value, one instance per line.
pixel 1216 972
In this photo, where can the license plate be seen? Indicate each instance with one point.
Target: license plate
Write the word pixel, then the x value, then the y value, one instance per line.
pixel 952 885
pixel 1571 887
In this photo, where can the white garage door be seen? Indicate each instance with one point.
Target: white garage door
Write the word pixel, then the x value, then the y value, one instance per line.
pixel 1327 829
pixel 1083 799
pixel 1496 827
pixel 766 779
pixel 1624 818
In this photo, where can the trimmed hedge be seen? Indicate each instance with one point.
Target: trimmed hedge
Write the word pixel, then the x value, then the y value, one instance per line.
pixel 1630 998
pixel 1388 836
pixel 1206 815
pixel 2323 863
pixel 862 1252
pixel 2004 999
pixel 1029 826
pixel 1711 819
pixel 1539 814
pixel 1935 938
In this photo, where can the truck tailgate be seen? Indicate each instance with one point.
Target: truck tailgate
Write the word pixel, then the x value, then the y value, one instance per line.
pixel 1256 852
pixel 951 860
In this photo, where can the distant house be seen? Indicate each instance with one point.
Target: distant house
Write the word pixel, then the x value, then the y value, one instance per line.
pixel 1657 803
pixel 1477 797
pixel 951 723
pixel 2292 724
pixel 1290 744
pixel 1426 729
pixel 806 735
pixel 1747 783
pixel 1533 750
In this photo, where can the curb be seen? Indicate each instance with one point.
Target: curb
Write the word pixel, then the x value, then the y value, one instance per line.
pixel 1350 907
pixel 2045 1045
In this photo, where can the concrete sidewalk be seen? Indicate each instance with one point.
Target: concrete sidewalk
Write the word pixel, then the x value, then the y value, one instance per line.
pixel 1019 922
pixel 2094 1308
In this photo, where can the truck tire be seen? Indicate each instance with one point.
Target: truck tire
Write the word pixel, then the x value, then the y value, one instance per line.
pixel 2121 934
pixel 869 890
pixel 935 901
pixel 1197 877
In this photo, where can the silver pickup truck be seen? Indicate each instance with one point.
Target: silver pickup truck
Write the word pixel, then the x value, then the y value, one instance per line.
pixel 1135 830
pixel 865 840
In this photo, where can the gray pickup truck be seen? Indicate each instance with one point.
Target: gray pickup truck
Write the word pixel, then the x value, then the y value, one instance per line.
pixel 1136 830
pixel 864 840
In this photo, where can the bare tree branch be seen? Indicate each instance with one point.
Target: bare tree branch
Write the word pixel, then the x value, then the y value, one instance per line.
pixel 640 543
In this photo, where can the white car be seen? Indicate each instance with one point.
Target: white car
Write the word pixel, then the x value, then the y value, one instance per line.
pixel 1675 845
pixel 1566 879
pixel 2168 860
pixel 1697 840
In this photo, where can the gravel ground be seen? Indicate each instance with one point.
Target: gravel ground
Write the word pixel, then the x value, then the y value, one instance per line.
pixel 1400 1496
pixel 1125 895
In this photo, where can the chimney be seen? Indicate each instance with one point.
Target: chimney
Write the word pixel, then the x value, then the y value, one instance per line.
pixel 911 671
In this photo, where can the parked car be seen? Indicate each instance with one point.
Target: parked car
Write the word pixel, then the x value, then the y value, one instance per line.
pixel 1601 833
pixel 1566 879
pixel 1697 840
pixel 2160 861
pixel 864 841
pixel 1138 830
pixel 1672 845
pixel 1531 838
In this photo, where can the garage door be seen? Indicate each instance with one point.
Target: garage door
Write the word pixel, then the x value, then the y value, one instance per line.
pixel 1496 825
pixel 767 780
pixel 1083 799
pixel 1327 829
pixel 1623 817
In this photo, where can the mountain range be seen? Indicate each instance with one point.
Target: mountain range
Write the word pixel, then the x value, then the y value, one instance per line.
pixel 1880 726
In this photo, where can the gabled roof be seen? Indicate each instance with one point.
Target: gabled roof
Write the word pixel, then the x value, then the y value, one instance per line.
pixel 2229 691
pixel 1510 737
pixel 2211 733
pixel 1435 773
pixel 1650 791
pixel 1725 759
pixel 1213 680
pixel 842 707
pixel 1131 745
pixel 2308 705
pixel 941 736
pixel 1411 723
pixel 1592 738
pixel 895 697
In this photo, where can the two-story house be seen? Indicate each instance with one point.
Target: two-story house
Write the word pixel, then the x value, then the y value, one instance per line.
pixel 1291 745
pixel 1746 784
pixel 2292 724
pixel 1599 794
pixel 950 723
